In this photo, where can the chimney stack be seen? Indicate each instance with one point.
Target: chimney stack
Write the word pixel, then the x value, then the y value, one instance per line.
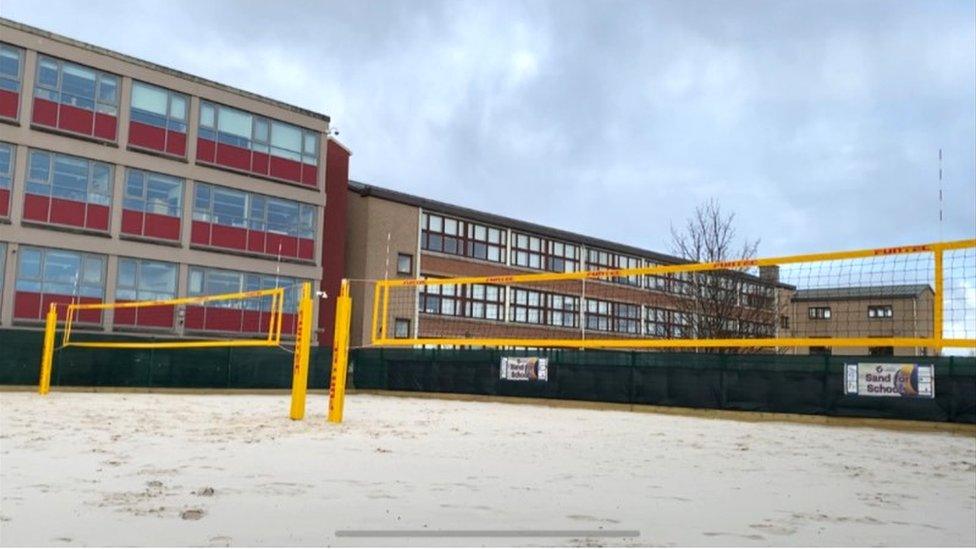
pixel 769 273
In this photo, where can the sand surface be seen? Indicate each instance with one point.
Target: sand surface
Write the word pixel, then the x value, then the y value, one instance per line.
pixel 166 469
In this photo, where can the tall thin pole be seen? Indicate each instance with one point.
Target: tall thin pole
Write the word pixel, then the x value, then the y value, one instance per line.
pixel 940 194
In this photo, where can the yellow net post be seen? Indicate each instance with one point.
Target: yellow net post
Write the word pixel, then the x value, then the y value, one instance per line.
pixel 47 353
pixel 340 354
pixel 303 344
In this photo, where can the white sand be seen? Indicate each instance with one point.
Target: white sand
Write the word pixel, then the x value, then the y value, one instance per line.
pixel 123 469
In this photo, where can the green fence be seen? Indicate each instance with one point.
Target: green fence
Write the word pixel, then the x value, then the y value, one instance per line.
pixel 767 383
pixel 227 368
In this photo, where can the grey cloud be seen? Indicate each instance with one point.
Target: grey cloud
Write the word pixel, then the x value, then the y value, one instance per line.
pixel 817 122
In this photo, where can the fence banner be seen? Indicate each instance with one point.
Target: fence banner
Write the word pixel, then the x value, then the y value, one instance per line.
pixel 524 368
pixel 890 380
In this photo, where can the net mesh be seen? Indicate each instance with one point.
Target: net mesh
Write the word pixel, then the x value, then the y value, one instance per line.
pixel 885 301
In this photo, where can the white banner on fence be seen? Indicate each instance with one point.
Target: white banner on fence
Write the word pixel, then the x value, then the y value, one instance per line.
pixel 524 368
pixel 890 380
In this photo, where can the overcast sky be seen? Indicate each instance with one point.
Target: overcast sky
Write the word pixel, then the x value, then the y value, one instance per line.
pixel 818 123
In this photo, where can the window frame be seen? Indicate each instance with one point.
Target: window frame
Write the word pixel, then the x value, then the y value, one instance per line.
pixel 49 183
pixel 7 178
pixel 881 312
pixel 170 122
pixel 139 292
pixel 245 282
pixel 304 225
pixel 613 262
pixel 409 258
pixel 98 105
pixel 545 252
pixel 264 142
pixel 397 323
pixel 41 280
pixel 128 200
pixel 465 237
pixel 819 313
pixel 18 82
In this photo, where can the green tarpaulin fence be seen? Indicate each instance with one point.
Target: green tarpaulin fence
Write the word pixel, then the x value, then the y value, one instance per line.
pixel 767 383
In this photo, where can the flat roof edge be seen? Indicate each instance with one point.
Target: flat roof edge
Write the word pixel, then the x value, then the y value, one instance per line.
pixel 160 68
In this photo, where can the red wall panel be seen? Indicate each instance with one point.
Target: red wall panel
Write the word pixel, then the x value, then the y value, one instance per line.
pixel 97 218
pixel 9 101
pixel 36 207
pixel 233 157
pixel 255 241
pixel 76 120
pixel 228 237
pixel 176 143
pixel 286 169
pixel 151 317
pixel 223 320
pixel 333 232
pixel 67 212
pixel 206 150
pixel 147 136
pixel 306 248
pixel 162 226
pixel 4 203
pixel 45 113
pixel 194 317
pixel 132 222
pixel 200 233
pixel 27 305
pixel 260 162
pixel 106 126
pixel 310 175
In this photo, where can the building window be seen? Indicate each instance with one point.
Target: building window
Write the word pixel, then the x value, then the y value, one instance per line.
pixel 69 177
pixel 818 313
pixel 233 219
pixel 46 275
pixel 481 301
pixel 784 322
pixel 152 192
pixel 159 107
pixel 11 63
pixel 268 142
pixel 611 316
pixel 11 66
pixel 68 190
pixel 250 315
pixel 535 307
pixel 250 131
pixel 76 98
pixel 452 236
pixel 880 311
pixel 6 177
pixel 881 351
pixel 144 280
pixel 598 260
pixel 665 323
pixel 756 296
pixel 404 264
pixel 401 328
pixel 226 206
pixel 541 253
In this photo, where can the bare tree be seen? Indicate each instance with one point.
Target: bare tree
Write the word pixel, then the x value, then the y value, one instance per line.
pixel 721 304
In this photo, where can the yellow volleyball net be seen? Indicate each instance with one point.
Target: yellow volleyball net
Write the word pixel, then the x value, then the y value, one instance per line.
pixel 255 318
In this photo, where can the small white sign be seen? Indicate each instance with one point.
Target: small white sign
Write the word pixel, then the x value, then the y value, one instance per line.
pixel 524 368
pixel 890 380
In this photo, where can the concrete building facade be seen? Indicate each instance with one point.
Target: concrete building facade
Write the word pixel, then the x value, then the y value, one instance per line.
pixel 124 180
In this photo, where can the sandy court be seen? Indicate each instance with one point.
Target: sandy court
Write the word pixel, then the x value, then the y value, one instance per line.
pixel 137 469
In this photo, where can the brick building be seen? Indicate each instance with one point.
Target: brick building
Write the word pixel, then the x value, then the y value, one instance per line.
pixel 393 234
pixel 125 180
pixel 897 310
